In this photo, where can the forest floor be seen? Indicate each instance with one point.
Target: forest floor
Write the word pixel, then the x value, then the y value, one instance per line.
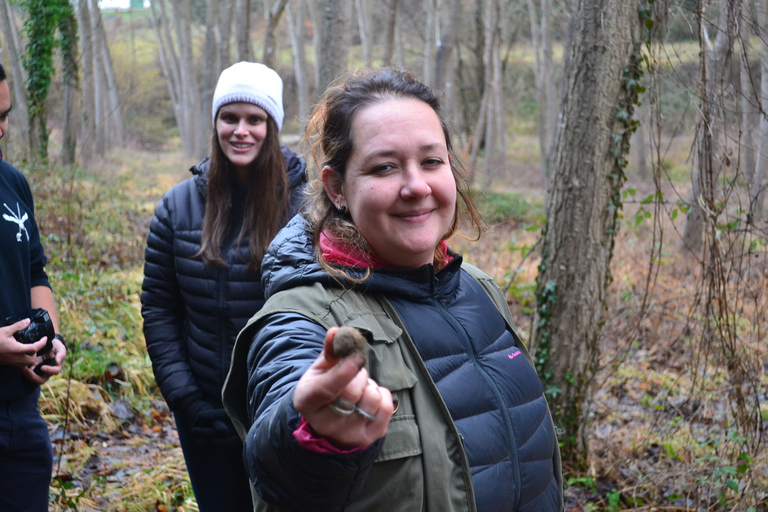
pixel 662 436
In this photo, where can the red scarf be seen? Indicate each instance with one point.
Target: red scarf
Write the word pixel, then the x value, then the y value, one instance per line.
pixel 335 251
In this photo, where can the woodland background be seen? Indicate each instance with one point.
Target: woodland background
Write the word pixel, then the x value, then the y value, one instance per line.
pixel 616 147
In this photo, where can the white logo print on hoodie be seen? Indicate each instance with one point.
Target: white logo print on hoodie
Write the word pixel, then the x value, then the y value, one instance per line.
pixel 17 218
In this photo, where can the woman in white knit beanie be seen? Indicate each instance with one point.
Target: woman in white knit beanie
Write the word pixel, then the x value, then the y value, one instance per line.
pixel 202 277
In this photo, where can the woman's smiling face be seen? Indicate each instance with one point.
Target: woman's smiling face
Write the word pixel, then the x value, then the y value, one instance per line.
pixel 399 188
pixel 241 128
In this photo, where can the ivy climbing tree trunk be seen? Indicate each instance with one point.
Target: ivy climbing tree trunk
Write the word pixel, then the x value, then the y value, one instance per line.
pixel 588 164
pixel 40 27
pixel 69 71
pixel 88 129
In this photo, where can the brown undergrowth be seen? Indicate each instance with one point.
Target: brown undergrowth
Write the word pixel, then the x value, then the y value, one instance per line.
pixel 664 435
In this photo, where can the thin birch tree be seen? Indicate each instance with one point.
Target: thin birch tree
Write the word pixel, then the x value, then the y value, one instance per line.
pixel 295 14
pixel 364 24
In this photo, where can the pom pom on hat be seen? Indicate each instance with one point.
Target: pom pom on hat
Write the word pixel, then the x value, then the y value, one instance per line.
pixel 250 82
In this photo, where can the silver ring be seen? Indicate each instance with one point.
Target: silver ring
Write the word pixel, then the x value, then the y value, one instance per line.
pixel 342 407
pixel 369 417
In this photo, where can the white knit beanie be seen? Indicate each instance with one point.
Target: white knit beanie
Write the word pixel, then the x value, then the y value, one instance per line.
pixel 250 82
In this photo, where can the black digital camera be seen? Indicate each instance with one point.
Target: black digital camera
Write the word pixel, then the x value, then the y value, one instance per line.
pixel 40 325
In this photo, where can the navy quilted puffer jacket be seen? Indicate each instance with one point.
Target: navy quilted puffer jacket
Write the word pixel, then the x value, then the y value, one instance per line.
pixel 491 390
pixel 193 312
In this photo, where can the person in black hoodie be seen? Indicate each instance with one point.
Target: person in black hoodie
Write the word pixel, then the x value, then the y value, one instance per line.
pixel 26 454
pixel 202 272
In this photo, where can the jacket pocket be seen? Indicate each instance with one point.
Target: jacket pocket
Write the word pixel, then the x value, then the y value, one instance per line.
pixel 387 367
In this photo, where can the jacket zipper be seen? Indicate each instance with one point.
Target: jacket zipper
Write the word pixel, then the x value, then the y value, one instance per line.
pixel 491 384
pixel 465 469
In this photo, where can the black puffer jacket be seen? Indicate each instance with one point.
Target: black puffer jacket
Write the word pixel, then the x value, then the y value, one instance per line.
pixel 491 390
pixel 193 312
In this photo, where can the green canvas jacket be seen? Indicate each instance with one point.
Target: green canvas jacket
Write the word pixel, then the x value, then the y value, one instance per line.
pixel 422 459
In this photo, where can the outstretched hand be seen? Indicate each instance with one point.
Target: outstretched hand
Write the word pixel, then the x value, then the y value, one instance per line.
pixel 333 384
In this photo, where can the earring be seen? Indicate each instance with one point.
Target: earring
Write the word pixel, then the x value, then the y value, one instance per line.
pixel 342 209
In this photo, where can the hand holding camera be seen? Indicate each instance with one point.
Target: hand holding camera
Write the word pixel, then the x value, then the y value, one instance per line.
pixel 30 334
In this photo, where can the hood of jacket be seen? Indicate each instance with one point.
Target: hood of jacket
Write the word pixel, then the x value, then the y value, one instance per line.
pixel 290 262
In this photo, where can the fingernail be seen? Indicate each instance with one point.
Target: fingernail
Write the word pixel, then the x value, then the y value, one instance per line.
pixel 359 360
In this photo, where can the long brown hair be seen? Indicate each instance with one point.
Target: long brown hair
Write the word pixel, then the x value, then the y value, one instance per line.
pixel 330 141
pixel 266 200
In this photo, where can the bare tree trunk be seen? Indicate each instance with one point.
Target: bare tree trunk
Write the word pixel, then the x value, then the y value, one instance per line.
pixel 316 40
pixel 99 81
pixel 18 77
pixel 487 111
pixel 500 145
pixel 750 120
pixel 194 143
pixel 210 53
pixel 757 189
pixel 581 209
pixel 295 12
pixel 548 78
pixel 243 30
pixel 479 133
pixel 113 122
pixel 364 23
pixel 429 42
pixel 713 85
pixel 88 93
pixel 334 46
pixel 224 12
pixel 168 62
pixel 541 98
pixel 541 39
pixel 389 41
pixel 445 45
pixel 273 18
pixel 444 73
pixel 399 60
